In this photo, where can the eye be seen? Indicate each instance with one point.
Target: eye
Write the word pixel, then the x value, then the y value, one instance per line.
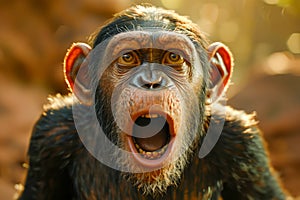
pixel 129 59
pixel 172 59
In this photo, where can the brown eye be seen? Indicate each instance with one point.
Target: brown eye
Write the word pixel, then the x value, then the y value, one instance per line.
pixel 129 59
pixel 172 59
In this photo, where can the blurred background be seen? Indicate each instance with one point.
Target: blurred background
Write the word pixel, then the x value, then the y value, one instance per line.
pixel 264 36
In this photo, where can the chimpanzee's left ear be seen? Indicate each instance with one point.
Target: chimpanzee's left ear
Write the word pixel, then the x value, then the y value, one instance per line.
pixel 221 63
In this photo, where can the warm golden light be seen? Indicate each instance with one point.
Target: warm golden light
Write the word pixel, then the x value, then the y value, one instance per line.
pixel 272 2
pixel 293 43
pixel 172 4
pixel 277 63
pixel 229 31
pixel 209 14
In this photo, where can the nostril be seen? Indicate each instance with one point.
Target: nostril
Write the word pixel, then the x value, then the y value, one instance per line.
pixel 153 85
pixel 156 85
pixel 153 82
pixel 147 86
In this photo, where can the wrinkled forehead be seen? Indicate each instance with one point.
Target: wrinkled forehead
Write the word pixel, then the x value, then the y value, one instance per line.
pixel 163 40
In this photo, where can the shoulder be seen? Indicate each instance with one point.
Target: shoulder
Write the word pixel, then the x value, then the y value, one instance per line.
pixel 56 124
pixel 57 109
pixel 232 121
pixel 241 134
pixel 239 121
pixel 56 120
pixel 59 102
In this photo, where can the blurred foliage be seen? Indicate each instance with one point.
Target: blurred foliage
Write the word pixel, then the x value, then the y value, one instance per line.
pixel 293 5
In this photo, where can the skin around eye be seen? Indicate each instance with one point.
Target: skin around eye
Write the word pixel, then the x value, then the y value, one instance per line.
pixel 172 59
pixel 129 59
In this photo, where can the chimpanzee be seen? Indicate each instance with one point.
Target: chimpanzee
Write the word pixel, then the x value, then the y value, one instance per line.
pixel 147 119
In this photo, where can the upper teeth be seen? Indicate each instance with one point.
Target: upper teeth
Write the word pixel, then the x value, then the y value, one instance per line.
pixel 150 116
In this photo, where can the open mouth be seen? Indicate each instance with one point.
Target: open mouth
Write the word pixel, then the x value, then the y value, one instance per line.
pixel 152 138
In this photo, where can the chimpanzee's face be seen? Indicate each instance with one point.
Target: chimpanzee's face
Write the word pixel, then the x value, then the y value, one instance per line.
pixel 154 89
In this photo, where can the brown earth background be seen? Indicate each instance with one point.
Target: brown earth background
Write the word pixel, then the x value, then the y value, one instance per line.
pixel 264 36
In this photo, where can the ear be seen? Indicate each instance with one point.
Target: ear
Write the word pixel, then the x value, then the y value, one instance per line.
pixel 74 61
pixel 221 63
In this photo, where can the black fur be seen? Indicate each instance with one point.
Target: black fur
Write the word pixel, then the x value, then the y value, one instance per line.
pixel 61 168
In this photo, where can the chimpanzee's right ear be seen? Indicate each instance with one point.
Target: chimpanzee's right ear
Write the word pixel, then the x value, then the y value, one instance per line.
pixel 75 59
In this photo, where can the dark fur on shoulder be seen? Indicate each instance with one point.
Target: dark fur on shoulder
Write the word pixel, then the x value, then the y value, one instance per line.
pixel 237 168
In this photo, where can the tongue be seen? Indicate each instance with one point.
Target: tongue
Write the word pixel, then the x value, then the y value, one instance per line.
pixel 153 143
pixel 158 136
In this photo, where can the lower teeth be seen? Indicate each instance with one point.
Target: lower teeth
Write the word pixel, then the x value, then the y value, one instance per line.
pixel 153 154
